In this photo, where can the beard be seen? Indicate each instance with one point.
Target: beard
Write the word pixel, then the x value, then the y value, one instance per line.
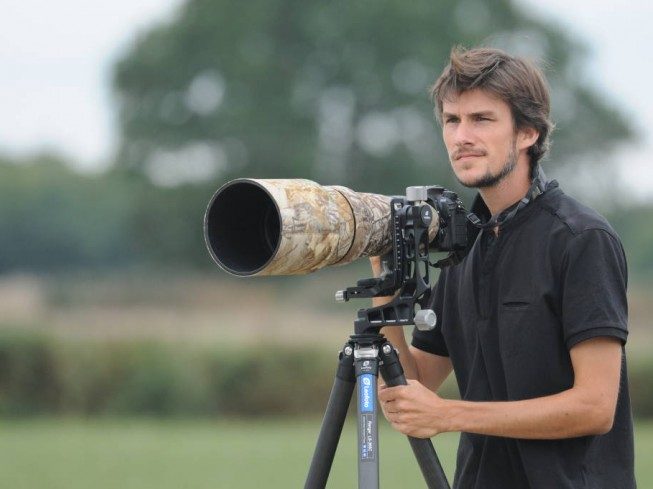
pixel 489 179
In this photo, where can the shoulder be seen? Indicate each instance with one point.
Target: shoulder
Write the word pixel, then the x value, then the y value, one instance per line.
pixel 575 218
pixel 580 236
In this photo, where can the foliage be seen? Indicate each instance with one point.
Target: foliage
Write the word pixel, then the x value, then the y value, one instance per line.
pixel 42 376
pixel 333 91
pixel 39 375
pixel 29 377
pixel 53 218
pixel 634 227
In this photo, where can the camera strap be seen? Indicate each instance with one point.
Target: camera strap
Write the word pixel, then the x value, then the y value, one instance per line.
pixel 537 188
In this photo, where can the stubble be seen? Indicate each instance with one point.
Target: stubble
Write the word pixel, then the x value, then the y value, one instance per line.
pixel 489 179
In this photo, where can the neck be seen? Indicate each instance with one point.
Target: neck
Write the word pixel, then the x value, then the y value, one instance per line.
pixel 509 190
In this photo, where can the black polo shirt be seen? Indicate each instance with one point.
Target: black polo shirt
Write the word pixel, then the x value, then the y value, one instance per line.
pixel 508 315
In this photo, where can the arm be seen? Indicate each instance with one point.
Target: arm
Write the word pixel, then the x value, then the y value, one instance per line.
pixel 587 408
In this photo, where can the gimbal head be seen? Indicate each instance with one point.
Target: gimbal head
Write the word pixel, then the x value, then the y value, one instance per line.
pixel 406 267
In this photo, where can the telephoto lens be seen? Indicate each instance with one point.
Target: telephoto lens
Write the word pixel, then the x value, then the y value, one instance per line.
pixel 255 227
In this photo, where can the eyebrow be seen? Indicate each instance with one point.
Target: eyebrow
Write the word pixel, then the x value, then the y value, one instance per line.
pixel 473 114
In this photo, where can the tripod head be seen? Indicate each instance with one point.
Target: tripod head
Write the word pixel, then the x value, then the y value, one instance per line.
pixel 406 267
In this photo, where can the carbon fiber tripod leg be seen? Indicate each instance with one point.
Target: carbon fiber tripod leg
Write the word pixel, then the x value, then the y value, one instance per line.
pixel 429 464
pixel 334 419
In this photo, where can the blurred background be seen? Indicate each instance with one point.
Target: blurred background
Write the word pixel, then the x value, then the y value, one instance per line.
pixel 126 358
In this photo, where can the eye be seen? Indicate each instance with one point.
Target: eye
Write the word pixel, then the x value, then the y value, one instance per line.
pixel 451 120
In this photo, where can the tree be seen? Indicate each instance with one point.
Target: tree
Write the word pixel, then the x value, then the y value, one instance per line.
pixel 333 91
pixel 54 219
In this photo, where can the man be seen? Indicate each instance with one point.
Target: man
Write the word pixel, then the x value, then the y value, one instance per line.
pixel 533 321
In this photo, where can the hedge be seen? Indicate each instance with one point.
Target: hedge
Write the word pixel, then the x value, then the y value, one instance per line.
pixel 43 376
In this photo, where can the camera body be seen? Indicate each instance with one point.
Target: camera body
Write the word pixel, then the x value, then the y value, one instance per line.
pixel 453 229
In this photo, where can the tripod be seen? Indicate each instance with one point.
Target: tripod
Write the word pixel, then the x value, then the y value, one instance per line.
pixel 359 363
pixel 368 352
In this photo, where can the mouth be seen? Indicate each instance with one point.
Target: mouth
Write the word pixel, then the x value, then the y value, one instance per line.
pixel 466 156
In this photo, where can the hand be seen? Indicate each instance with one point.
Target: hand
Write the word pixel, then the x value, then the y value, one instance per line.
pixel 375 261
pixel 414 410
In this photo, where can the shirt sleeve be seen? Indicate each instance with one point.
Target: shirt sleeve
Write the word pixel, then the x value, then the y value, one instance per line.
pixel 433 341
pixel 594 288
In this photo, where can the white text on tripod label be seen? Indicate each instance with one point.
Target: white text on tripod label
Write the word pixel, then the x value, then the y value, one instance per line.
pixel 367 393
pixel 367 445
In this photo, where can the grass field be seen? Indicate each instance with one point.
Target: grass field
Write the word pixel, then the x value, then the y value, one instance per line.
pixel 227 454
pixel 141 454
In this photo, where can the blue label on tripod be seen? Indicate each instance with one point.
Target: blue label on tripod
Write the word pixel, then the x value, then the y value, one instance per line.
pixel 366 393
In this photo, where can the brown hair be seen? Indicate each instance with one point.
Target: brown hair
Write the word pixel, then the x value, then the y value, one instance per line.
pixel 517 81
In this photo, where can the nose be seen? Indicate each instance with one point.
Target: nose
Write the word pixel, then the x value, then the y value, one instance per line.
pixel 463 134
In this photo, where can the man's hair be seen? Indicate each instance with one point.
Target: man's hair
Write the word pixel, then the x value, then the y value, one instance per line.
pixel 517 81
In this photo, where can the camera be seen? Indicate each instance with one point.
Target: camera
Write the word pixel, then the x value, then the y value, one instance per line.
pixel 256 227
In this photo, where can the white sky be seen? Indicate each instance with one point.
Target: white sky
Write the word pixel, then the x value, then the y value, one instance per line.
pixel 55 59
pixel 620 65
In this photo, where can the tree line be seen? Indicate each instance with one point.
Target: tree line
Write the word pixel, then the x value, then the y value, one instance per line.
pixel 335 92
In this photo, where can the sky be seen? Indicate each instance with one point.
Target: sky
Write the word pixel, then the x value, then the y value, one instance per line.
pixel 55 62
pixel 56 58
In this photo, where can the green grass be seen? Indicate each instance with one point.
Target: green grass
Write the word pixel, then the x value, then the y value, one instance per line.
pixel 141 454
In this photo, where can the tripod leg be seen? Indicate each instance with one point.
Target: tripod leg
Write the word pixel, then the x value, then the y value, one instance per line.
pixel 367 371
pixel 334 419
pixel 428 461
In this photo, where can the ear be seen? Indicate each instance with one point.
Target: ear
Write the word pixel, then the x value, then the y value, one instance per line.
pixel 527 137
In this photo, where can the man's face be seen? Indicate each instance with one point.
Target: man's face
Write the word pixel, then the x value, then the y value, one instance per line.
pixel 479 134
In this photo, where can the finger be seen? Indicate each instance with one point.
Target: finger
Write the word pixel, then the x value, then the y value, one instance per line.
pixel 392 409
pixel 385 395
pixel 400 428
pixel 385 402
pixel 375 262
pixel 391 392
pixel 396 406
